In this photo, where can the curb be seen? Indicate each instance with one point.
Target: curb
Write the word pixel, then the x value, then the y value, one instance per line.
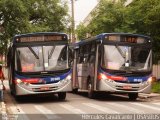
pixel 3 111
pixel 143 95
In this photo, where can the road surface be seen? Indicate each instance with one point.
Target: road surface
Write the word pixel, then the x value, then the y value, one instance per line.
pixel 78 106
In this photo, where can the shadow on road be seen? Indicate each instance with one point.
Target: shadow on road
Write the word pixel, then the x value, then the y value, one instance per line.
pixel 40 98
pixel 53 98
pixel 104 96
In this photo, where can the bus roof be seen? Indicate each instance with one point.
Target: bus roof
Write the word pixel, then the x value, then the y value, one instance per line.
pixel 102 35
pixel 129 34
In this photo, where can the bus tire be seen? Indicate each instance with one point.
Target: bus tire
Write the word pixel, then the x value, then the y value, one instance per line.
pixel 75 91
pixel 133 96
pixel 62 95
pixel 91 93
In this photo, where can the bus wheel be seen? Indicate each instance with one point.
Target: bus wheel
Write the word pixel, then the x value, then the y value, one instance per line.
pixel 133 96
pixel 91 93
pixel 61 95
pixel 75 91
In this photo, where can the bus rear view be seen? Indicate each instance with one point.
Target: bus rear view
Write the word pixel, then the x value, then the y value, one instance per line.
pixel 39 63
pixel 122 64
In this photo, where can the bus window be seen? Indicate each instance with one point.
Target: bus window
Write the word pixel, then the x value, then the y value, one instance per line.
pixel 142 56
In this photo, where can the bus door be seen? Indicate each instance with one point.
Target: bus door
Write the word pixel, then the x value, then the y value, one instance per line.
pixel 85 66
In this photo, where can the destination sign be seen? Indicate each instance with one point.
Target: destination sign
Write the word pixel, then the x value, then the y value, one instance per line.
pixel 126 39
pixel 40 38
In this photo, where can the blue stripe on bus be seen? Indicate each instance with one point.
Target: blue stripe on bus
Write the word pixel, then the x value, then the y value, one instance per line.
pixel 49 79
pixel 130 78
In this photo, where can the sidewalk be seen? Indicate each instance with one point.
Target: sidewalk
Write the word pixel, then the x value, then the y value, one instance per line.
pixel 3 111
pixel 143 95
pixel 3 108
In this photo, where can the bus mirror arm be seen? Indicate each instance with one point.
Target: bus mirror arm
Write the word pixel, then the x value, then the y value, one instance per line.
pixel 99 41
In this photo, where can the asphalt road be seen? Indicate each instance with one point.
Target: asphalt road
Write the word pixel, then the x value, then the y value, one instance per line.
pixel 78 106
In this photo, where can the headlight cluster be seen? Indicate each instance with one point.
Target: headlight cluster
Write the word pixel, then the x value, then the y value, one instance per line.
pixel 149 81
pixel 102 76
pixel 65 81
pixel 19 81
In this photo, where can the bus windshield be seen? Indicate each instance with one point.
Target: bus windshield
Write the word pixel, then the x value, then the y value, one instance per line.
pixel 41 58
pixel 127 58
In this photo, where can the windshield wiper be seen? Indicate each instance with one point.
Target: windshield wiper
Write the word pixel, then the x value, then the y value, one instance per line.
pixel 37 57
pixel 120 51
pixel 51 53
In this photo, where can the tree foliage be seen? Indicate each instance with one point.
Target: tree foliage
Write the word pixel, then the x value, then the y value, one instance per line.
pixel 140 17
pixel 24 16
pixel 81 30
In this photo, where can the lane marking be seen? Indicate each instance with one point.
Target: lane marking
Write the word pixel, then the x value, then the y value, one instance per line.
pixel 100 108
pixel 46 112
pixel 72 109
pixel 156 103
pixel 146 106
pixel 127 107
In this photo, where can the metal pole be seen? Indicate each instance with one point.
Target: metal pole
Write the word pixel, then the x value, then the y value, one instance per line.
pixel 73 23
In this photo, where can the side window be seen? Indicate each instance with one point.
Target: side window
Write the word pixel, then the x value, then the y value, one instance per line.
pixel 70 56
pixel 92 53
pixel 63 55
pixel 87 53
pixel 80 54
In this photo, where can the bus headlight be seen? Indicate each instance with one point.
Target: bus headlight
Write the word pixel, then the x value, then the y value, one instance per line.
pixel 68 77
pixel 18 81
pixel 102 76
pixel 150 80
pixel 66 80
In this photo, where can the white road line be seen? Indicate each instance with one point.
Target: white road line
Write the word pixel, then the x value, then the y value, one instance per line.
pixel 146 106
pixel 156 103
pixel 100 108
pixel 19 112
pixel 72 109
pixel 46 112
pixel 127 107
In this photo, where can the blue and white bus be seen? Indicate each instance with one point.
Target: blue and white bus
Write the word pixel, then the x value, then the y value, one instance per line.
pixel 113 62
pixel 40 63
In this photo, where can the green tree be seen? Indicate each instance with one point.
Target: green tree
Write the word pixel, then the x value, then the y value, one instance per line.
pixel 108 17
pixel 145 19
pixel 140 17
pixel 23 16
pixel 81 31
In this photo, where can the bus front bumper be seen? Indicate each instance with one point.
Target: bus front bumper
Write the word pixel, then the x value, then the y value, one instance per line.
pixel 29 89
pixel 117 87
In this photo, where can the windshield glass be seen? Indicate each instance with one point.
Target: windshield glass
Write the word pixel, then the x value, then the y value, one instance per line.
pixel 127 58
pixel 41 58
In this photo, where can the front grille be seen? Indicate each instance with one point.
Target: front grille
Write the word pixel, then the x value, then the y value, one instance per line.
pixel 44 83
pixel 128 82
pixel 44 90
pixel 129 89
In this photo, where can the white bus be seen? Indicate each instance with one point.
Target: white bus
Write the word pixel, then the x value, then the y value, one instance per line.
pixel 113 62
pixel 40 63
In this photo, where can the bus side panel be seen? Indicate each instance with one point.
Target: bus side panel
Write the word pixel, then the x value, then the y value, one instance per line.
pixel 74 72
pixel 85 75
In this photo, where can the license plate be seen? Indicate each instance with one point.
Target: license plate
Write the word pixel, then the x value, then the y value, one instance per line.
pixel 44 88
pixel 127 87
